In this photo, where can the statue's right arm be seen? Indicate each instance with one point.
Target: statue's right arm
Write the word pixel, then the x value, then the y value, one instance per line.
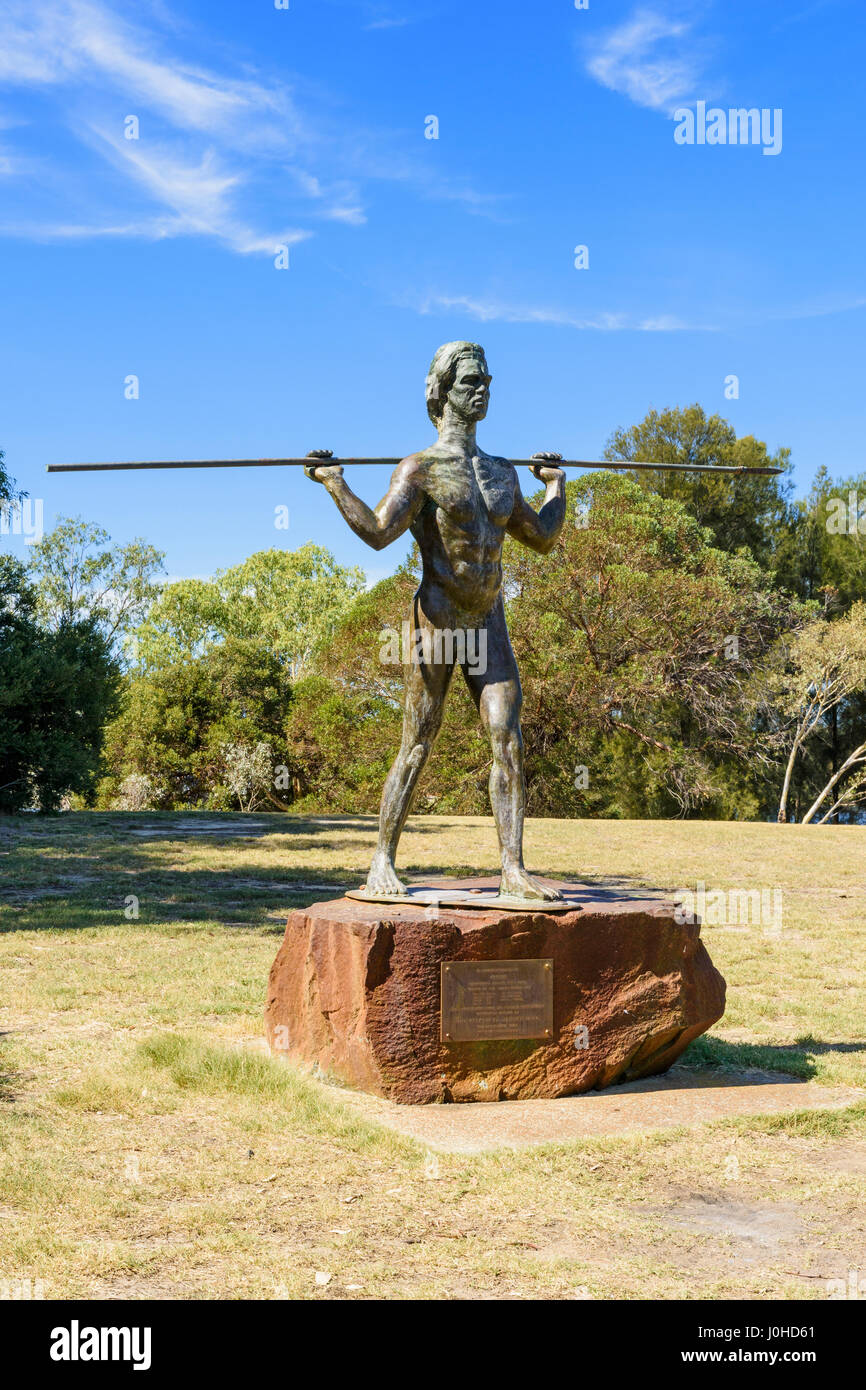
pixel 394 514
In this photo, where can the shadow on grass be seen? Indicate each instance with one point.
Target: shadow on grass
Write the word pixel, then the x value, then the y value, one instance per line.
pixel 594 888
pixel 78 871
pixel 144 826
pixel 102 876
pixel 161 897
pixel 792 1059
pixel 10 1079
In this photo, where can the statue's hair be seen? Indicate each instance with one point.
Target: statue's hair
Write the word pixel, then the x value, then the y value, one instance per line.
pixel 443 370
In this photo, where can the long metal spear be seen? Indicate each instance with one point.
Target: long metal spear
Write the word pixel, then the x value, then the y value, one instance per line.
pixel 618 465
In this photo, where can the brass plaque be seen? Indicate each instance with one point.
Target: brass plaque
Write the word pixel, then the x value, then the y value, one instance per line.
pixel 483 1000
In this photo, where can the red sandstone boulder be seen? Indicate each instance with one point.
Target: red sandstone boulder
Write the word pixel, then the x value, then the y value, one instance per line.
pixel 355 989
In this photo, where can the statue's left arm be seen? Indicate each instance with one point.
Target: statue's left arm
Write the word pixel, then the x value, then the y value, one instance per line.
pixel 539 530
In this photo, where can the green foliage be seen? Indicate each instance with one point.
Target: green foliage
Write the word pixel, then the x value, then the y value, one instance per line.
pixel 810 690
pixel 57 690
pixel 752 512
pixel 649 641
pixel 621 633
pixel 287 601
pixel 823 554
pixel 823 558
pixel 179 716
pixel 215 661
pixel 7 485
pixel 184 621
pixel 345 720
pixel 634 637
pixel 79 576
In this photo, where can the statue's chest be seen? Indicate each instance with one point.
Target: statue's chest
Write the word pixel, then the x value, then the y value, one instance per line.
pixel 471 492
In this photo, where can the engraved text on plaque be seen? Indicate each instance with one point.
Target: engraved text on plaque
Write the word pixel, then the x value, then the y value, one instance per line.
pixel 486 1000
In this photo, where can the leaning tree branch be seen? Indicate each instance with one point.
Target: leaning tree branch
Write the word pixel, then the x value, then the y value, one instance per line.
pixel 853 759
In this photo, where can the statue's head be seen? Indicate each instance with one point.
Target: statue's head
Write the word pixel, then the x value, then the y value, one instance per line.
pixel 458 377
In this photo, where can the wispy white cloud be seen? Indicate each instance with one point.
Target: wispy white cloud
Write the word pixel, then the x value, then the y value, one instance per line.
pixel 732 317
pixel 187 167
pixel 338 200
pixel 147 229
pixel 200 194
pixel 820 308
pixel 215 149
pixel 399 22
pixel 493 310
pixel 85 41
pixel 197 193
pixel 27 54
pixel 653 59
pixel 375 15
pixel 471 200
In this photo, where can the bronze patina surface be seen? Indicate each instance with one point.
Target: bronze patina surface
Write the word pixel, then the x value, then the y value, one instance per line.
pixel 483 1000
pixel 476 899
pixel 459 503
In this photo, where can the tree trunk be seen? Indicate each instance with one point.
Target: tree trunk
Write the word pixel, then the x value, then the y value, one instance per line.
pixel 835 745
pixel 856 757
pixel 782 817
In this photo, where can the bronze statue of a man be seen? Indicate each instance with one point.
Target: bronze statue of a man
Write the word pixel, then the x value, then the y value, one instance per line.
pixel 458 502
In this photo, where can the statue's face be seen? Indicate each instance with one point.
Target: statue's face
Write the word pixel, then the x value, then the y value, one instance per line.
pixel 469 397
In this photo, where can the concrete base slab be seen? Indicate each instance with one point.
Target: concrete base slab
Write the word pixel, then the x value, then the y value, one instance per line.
pixel 680 1097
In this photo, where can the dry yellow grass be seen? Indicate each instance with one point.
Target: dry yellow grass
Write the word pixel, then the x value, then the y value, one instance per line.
pixel 149 1149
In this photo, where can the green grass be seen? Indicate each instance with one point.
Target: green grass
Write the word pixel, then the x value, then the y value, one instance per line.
pixel 149 1148
pixel 197 1066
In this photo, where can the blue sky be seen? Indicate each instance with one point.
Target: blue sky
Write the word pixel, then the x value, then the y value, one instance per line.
pixel 260 127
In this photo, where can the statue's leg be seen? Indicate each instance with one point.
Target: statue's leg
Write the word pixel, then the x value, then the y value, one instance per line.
pixel 496 691
pixel 426 685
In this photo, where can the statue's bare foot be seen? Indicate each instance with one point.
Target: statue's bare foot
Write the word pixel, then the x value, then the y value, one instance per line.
pixel 517 883
pixel 382 879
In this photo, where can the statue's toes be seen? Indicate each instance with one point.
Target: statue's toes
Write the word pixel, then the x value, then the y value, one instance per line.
pixel 383 880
